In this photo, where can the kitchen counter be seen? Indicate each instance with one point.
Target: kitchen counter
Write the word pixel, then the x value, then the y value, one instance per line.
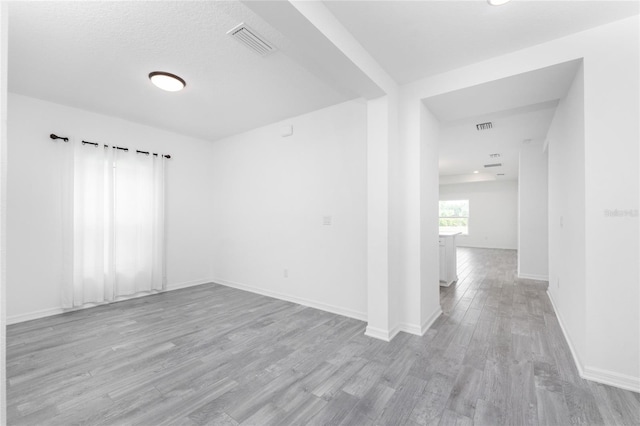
pixel 448 258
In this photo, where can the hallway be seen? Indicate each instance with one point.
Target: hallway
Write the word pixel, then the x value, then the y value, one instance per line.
pixel 519 364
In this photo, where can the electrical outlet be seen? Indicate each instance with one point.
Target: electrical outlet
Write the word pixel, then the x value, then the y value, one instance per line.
pixel 286 273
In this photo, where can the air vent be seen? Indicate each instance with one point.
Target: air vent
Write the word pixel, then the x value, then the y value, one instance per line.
pixel 251 39
pixel 494 155
pixel 493 165
pixel 484 126
pixel 499 174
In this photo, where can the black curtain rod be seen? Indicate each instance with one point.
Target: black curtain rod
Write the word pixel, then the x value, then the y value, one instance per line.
pixel 54 137
pixel 154 154
pixel 107 146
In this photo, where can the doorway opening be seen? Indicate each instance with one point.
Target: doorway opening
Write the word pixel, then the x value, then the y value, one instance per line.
pixel 492 178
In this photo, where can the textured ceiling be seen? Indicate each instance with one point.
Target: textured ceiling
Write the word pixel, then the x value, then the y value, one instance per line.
pixel 97 55
pixel 415 39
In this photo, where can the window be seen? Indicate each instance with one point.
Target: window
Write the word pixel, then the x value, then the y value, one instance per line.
pixel 454 216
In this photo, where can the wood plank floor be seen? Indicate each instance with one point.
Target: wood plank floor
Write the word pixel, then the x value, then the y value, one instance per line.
pixel 216 355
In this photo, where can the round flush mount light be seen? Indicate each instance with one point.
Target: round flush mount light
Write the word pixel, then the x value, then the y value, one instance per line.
pixel 475 172
pixel 497 2
pixel 167 81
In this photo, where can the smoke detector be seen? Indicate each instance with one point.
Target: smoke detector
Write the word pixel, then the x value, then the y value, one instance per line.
pixel 251 39
pixel 484 126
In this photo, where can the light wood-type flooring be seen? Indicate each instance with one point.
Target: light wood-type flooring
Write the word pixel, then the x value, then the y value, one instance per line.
pixel 215 355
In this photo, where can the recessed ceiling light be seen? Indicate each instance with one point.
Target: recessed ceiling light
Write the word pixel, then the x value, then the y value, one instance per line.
pixel 167 81
pixel 475 171
pixel 497 2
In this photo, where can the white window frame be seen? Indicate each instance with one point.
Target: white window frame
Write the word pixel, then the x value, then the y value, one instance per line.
pixel 463 232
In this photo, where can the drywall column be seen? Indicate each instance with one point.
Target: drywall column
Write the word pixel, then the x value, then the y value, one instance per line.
pixel 378 218
pixel 384 292
pixel 3 208
pixel 429 193
pixel 413 218
pixel 533 240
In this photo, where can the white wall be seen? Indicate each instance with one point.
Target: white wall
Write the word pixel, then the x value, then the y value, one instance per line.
pixel 533 241
pixel 270 196
pixel 611 179
pixel 493 212
pixel 612 174
pixel 567 284
pixel 34 239
pixel 3 209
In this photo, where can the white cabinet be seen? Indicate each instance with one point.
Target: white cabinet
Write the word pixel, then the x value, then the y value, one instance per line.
pixel 448 260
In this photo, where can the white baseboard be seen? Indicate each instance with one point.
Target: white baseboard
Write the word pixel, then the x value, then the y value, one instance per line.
pixel 388 335
pixel 15 319
pixel 595 374
pixel 611 378
pixel 408 328
pixel 415 329
pixel 426 325
pixel 346 312
pixel 574 353
pixel 379 333
pixel 483 247
pixel 533 277
pixel 186 284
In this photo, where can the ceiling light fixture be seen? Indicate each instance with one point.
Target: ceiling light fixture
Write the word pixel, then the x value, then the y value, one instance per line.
pixel 497 2
pixel 167 81
pixel 475 171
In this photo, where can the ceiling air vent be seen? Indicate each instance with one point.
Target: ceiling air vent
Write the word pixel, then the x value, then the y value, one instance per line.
pixel 251 39
pixel 494 155
pixel 493 165
pixel 484 126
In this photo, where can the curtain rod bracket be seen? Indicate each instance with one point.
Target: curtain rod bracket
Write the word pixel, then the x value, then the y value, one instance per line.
pixel 54 137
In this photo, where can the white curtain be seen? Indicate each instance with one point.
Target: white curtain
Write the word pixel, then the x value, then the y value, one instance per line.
pixel 117 225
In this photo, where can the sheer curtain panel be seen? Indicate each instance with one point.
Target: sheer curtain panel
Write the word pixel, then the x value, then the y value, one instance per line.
pixel 114 224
